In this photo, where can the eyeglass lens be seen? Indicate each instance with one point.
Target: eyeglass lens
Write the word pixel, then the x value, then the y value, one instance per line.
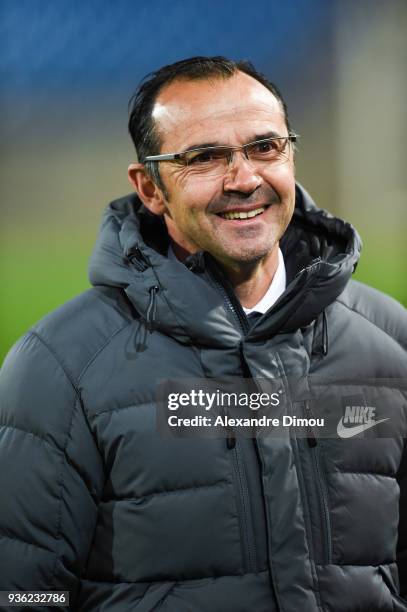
pixel 216 159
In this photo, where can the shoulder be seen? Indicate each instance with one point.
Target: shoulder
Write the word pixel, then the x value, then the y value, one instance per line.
pixel 75 332
pixel 41 376
pixel 381 310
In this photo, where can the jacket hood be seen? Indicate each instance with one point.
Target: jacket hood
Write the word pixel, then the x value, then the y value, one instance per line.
pixel 320 253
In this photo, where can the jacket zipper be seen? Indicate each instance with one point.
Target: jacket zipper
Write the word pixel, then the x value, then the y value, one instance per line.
pixel 246 523
pixel 230 299
pixel 321 487
pixel 233 444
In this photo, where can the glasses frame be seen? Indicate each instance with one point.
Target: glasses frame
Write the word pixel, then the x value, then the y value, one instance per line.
pixel 179 157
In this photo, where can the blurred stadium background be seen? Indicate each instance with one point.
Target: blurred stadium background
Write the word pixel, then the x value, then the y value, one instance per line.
pixel 68 68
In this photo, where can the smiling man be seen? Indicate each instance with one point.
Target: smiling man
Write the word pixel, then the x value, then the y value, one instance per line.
pixel 219 266
pixel 232 203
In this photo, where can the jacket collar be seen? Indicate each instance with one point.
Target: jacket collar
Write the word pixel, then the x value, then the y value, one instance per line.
pixel 320 251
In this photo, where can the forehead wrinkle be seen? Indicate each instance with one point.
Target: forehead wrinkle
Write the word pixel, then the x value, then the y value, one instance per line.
pixel 202 93
pixel 207 129
pixel 180 121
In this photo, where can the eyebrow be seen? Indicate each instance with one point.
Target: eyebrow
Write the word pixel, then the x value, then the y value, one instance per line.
pixel 203 145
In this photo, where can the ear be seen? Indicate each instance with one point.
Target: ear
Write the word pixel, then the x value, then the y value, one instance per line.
pixel 149 193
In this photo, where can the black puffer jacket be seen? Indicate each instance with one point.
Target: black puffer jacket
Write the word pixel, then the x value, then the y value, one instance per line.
pixel 94 501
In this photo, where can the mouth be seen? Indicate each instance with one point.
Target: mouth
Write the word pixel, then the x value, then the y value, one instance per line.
pixel 242 215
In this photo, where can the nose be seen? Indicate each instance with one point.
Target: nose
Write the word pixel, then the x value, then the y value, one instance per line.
pixel 242 176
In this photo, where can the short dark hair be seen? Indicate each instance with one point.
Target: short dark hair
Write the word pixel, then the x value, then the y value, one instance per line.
pixel 141 124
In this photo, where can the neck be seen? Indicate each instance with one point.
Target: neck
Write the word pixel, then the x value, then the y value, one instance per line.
pixel 250 280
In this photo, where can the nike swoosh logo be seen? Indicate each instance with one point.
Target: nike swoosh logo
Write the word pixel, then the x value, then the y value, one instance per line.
pixel 349 432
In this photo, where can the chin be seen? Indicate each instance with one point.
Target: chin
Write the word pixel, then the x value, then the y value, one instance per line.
pixel 249 256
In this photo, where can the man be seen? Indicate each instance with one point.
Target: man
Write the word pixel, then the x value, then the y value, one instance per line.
pixel 94 500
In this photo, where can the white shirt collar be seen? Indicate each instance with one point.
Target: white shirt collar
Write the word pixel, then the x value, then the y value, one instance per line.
pixel 276 288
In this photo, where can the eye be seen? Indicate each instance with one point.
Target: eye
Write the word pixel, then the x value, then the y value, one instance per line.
pixel 204 157
pixel 267 147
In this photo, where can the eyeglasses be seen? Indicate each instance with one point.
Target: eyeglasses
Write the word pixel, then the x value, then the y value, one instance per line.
pixel 216 160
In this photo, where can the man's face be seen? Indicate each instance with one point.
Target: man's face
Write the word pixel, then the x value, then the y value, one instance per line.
pixel 233 111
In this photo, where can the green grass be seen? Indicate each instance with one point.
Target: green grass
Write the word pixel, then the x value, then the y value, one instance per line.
pixel 383 265
pixel 41 270
pixel 39 275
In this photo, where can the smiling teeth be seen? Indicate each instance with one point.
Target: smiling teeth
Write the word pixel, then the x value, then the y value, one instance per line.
pixel 243 215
